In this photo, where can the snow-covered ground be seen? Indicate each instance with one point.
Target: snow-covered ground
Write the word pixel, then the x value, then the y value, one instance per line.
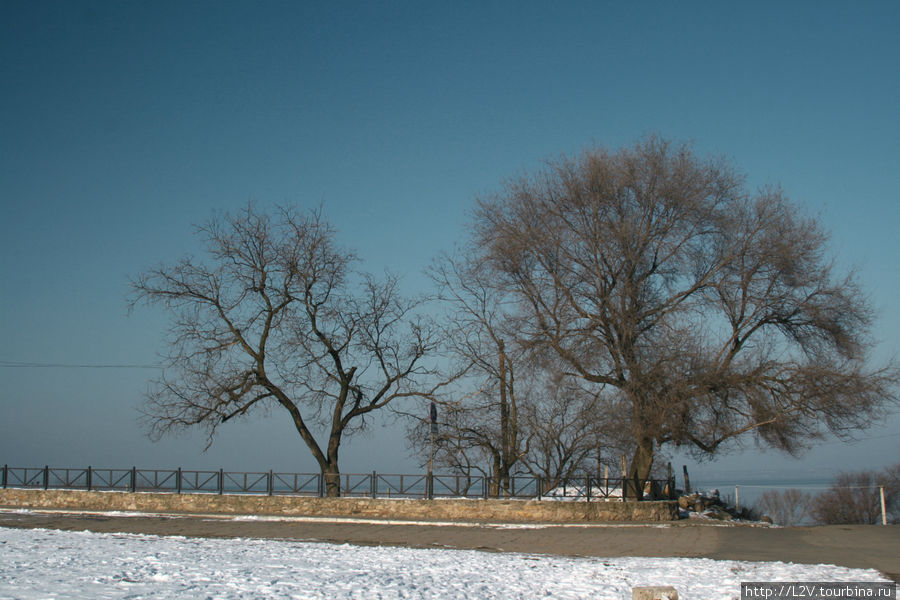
pixel 40 563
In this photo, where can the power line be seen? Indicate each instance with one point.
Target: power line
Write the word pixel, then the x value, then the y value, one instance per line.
pixel 819 487
pixel 856 441
pixel 39 365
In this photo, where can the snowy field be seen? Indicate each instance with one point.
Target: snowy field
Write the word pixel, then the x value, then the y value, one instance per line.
pixel 41 563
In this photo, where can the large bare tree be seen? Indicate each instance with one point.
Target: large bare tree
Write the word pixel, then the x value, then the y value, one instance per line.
pixel 277 316
pixel 701 310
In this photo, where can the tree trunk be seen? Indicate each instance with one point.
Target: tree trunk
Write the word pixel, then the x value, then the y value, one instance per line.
pixel 505 462
pixel 332 476
pixel 495 479
pixel 330 469
pixel 639 471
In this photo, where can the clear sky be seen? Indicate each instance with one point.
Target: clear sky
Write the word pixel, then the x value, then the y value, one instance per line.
pixel 122 124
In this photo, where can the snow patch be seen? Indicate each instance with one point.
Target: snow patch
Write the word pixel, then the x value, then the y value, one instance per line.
pixel 39 563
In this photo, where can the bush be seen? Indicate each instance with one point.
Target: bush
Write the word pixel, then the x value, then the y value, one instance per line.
pixel 856 498
pixel 785 507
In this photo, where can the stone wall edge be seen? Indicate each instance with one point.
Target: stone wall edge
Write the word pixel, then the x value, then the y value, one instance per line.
pixel 491 510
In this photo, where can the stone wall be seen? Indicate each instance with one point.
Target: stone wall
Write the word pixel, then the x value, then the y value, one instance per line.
pixel 511 511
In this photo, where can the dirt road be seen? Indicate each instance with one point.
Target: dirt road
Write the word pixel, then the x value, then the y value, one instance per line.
pixel 860 546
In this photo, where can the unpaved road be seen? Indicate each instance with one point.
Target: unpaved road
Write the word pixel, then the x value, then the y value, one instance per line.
pixel 859 546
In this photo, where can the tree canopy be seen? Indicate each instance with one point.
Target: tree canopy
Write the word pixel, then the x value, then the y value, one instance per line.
pixel 278 316
pixel 702 310
pixel 643 293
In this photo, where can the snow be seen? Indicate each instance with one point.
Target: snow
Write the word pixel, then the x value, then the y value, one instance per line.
pixel 575 493
pixel 40 563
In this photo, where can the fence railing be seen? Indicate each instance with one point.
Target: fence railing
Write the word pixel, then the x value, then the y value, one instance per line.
pixel 371 485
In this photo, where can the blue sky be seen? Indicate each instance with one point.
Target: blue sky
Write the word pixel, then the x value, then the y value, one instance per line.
pixel 123 124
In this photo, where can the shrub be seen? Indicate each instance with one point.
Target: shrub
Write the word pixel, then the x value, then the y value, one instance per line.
pixel 785 507
pixel 856 498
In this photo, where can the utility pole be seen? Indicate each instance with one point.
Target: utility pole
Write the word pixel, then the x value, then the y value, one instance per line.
pixel 429 483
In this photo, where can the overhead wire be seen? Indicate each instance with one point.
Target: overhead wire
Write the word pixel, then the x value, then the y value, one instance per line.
pixel 44 365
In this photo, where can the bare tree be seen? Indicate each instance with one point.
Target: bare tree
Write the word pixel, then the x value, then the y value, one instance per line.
pixel 702 311
pixel 856 498
pixel 786 507
pixel 456 449
pixel 483 419
pixel 278 317
pixel 564 432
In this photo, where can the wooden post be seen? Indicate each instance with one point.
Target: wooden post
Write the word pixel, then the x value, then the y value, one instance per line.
pixel 178 480
pixel 46 476
pixel 625 478
pixel 599 461
pixel 133 482
pixel 374 485
pixel 88 479
pixel 429 481
pixel 687 481
pixel 737 499
pixel 221 481
pixel 5 471
pixel 883 511
pixel 670 482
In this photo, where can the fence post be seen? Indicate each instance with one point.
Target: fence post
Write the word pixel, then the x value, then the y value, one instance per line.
pixel 133 485
pixel 587 485
pixel 883 511
pixel 485 486
pixel 221 481
pixel 321 484
pixel 88 478
pixel 737 499
pixel 374 485
pixel 5 470
pixel 178 481
pixel 46 476
pixel 540 488
pixel 270 483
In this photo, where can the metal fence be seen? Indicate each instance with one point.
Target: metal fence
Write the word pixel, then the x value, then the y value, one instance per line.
pixel 371 485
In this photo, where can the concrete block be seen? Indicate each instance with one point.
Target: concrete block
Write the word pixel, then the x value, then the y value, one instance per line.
pixel 659 592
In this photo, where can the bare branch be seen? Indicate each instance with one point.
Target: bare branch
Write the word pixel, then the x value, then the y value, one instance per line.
pixel 277 317
pixel 703 312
